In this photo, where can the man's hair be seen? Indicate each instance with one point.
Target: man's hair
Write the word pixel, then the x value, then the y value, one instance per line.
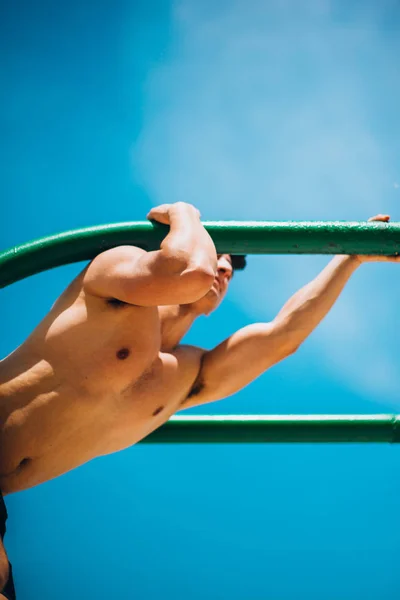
pixel 238 261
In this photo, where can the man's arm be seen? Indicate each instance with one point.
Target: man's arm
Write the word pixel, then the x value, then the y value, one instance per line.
pixel 252 350
pixel 182 271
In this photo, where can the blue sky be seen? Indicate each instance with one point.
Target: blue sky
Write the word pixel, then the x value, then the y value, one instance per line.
pixel 250 110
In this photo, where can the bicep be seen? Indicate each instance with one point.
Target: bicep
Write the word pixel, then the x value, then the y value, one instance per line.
pixel 238 361
pixel 143 278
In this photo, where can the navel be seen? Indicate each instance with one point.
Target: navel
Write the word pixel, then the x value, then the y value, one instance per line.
pixel 123 353
pixel 158 410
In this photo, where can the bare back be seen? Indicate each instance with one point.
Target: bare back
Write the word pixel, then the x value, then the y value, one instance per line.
pixel 90 380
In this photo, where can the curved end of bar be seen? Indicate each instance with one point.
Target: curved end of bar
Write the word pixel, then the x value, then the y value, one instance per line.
pixel 396 429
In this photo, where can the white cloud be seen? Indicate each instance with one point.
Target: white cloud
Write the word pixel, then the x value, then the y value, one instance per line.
pixel 262 111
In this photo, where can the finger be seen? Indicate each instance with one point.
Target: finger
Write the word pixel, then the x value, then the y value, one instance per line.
pixel 159 213
pixel 384 218
pixel 159 217
pixel 162 208
pixel 393 258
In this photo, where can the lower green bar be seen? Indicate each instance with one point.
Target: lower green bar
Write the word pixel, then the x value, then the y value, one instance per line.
pixel 258 429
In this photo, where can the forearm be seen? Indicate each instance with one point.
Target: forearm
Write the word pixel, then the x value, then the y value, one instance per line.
pixel 306 309
pixel 188 243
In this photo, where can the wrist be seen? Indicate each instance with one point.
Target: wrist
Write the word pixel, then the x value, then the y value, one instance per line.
pixel 352 259
pixel 358 259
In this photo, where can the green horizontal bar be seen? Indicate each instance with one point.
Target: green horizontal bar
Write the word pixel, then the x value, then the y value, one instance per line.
pixel 256 429
pixel 232 237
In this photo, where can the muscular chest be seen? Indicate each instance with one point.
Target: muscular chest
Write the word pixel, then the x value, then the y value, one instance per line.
pixel 166 384
pixel 152 399
pixel 103 347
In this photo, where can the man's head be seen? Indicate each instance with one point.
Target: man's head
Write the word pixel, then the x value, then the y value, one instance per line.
pixel 226 267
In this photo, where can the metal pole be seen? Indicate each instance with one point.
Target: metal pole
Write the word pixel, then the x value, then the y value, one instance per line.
pixel 232 237
pixel 256 429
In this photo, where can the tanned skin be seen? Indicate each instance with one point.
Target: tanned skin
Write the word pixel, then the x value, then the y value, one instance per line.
pixel 105 367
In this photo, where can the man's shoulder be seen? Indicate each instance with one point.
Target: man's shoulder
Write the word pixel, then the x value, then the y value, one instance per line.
pixel 189 351
pixel 189 359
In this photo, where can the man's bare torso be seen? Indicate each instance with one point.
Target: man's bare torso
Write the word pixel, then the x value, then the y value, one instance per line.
pixel 90 380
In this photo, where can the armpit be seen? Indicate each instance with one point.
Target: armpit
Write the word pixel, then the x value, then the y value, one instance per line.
pixel 198 386
pixel 115 303
pixel 191 359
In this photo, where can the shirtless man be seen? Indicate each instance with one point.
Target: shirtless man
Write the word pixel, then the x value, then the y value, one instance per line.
pixel 105 368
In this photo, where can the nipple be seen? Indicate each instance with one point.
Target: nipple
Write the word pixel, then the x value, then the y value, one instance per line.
pixel 123 353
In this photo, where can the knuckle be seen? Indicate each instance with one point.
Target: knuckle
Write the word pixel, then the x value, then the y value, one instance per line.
pixel 184 204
